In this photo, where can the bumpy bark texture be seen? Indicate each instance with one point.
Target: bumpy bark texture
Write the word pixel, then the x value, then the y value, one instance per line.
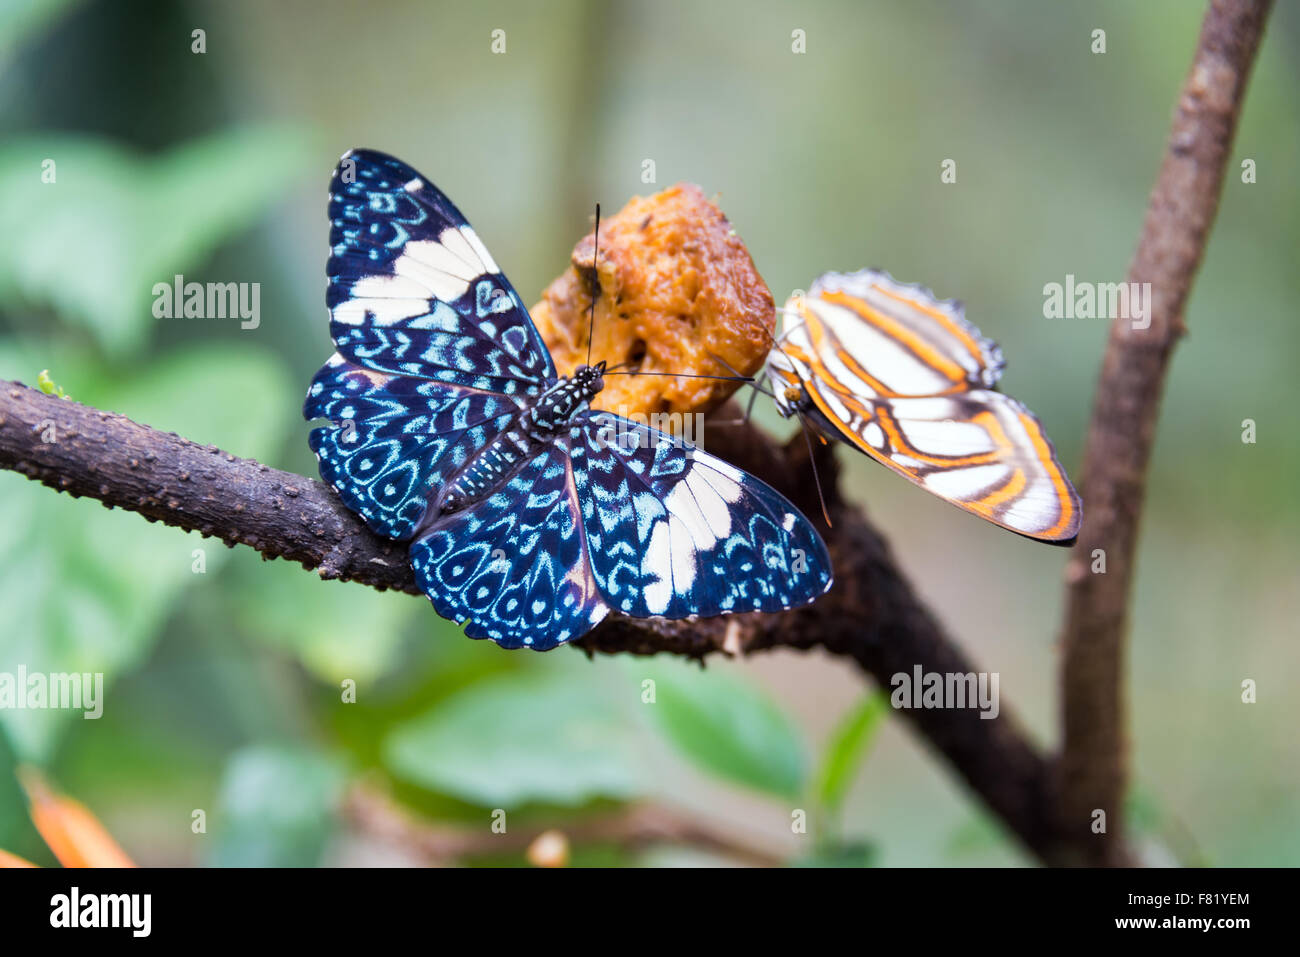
pixel 1093 766
pixel 870 615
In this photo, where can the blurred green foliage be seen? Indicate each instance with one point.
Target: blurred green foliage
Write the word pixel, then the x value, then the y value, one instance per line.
pixel 847 748
pixel 87 589
pixel 726 727
pixel 128 222
pixel 227 686
pixel 519 739
pixel 276 808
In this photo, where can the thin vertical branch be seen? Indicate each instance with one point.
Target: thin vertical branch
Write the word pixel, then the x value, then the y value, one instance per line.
pixel 1092 773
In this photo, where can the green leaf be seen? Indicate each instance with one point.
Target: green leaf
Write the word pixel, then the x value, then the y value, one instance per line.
pixel 93 243
pixel 849 854
pixel 977 834
pixel 725 726
pixel 337 630
pixel 86 589
pixel 22 21
pixel 548 736
pixel 276 808
pixel 848 746
pixel 49 386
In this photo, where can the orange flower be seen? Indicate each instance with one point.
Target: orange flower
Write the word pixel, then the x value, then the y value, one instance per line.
pixel 74 834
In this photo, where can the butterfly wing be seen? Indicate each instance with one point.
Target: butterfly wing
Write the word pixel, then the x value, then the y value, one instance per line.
pixel 437 357
pixel 905 378
pixel 883 338
pixel 672 531
pixel 396 438
pixel 515 567
pixel 436 353
pixel 412 290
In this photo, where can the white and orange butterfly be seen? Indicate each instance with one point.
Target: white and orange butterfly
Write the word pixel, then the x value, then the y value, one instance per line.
pixel 904 377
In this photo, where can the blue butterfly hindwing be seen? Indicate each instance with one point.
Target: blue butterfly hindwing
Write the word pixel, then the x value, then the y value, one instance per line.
pixel 530 516
pixel 674 531
pixel 395 437
pixel 515 567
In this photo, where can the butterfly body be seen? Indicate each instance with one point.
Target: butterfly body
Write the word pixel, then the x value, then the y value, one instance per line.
pixel 538 424
pixel 529 515
pixel 903 377
pixel 798 402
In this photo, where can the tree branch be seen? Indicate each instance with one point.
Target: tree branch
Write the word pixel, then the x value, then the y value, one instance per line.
pixel 871 614
pixel 375 816
pixel 1093 762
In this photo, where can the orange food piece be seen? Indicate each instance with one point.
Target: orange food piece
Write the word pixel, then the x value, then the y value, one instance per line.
pixel 676 287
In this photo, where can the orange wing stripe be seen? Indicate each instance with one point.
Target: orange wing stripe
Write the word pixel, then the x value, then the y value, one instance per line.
pixel 999 497
pixel 1059 481
pixel 818 333
pixel 853 407
pixel 942 318
pixel 985 420
pixel 900 333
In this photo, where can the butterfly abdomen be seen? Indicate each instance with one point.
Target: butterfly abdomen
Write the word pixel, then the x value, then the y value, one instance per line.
pixel 538 423
pixel 487 471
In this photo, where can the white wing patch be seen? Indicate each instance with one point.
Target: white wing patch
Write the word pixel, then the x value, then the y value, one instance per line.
pixel 683 550
pixel 966 483
pixel 902 370
pixel 436 268
pixel 484 257
pixel 442 268
pixel 949 437
pixel 698 519
pixel 383 301
pixel 658 563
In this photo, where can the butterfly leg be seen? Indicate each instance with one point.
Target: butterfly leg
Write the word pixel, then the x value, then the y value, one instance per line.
pixel 755 386
pixel 749 409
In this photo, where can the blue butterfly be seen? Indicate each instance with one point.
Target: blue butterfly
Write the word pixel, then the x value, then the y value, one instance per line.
pixel 530 515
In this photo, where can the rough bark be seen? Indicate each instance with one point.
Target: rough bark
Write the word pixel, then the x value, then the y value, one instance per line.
pixel 1093 765
pixel 871 614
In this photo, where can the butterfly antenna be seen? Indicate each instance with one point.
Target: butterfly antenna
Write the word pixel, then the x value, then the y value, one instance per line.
pixel 776 343
pixel 755 384
pixel 803 422
pixel 812 460
pixel 619 370
pixel 595 264
pixel 749 410
pixel 686 375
